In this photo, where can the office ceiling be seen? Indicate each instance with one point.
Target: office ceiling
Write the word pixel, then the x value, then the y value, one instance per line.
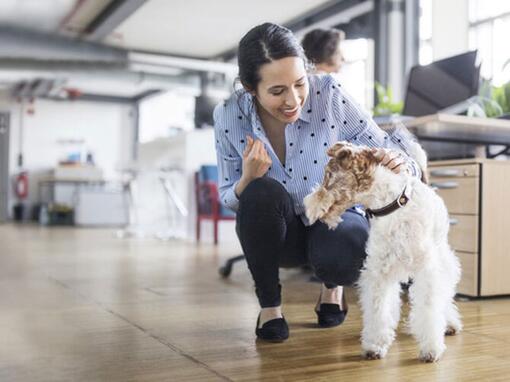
pixel 193 28
pixel 200 29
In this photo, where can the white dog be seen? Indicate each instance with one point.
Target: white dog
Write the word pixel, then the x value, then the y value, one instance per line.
pixel 407 239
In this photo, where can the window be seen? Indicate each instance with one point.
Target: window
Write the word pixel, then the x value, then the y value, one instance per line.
pixel 425 31
pixel 164 115
pixel 489 28
pixel 356 74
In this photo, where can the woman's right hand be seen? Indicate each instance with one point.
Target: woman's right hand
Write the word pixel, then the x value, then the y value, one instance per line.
pixel 256 160
pixel 256 163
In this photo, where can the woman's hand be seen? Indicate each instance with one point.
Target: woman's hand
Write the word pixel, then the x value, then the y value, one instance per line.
pixel 391 159
pixel 256 162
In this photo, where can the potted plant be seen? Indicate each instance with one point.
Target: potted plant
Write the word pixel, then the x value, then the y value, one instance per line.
pixel 385 104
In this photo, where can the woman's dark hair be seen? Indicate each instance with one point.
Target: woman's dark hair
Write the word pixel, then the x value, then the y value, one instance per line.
pixel 321 44
pixel 261 45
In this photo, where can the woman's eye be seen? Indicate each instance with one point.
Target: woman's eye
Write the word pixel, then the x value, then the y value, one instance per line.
pixel 277 93
pixel 299 85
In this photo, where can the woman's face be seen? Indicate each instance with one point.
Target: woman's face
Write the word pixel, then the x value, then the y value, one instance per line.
pixel 334 63
pixel 283 89
pixel 337 60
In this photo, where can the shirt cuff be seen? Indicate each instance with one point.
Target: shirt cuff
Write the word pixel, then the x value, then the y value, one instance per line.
pixel 229 198
pixel 414 168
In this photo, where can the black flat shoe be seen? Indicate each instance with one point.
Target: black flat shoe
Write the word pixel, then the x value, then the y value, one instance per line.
pixel 330 315
pixel 275 330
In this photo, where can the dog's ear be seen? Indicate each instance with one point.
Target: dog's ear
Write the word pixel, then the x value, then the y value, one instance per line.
pixel 339 151
pixel 370 158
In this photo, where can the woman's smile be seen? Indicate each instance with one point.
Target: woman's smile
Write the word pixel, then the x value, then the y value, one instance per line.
pixel 290 113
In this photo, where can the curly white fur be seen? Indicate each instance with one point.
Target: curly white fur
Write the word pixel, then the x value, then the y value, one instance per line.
pixel 411 242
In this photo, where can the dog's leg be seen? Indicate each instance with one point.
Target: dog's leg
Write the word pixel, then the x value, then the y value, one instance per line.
pixel 452 277
pixel 453 321
pixel 380 305
pixel 426 319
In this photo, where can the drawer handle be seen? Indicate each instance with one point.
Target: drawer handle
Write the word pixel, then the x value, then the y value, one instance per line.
pixel 454 221
pixel 444 185
pixel 445 172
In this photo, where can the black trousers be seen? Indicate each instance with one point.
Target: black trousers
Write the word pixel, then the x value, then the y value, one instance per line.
pixel 272 236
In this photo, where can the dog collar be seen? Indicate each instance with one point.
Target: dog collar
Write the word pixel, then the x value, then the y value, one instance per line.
pixel 401 201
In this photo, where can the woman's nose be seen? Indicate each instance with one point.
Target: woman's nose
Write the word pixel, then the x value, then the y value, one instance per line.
pixel 292 99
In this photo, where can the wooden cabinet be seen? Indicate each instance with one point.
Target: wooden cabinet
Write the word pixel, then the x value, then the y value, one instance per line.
pixel 477 195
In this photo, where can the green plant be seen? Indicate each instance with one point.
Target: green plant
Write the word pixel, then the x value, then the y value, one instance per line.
pixel 385 104
pixel 499 95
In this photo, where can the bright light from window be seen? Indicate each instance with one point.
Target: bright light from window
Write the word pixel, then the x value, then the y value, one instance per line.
pixel 163 115
pixel 356 74
pixel 489 32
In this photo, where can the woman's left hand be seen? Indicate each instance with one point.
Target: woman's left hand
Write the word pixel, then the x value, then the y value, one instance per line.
pixel 391 159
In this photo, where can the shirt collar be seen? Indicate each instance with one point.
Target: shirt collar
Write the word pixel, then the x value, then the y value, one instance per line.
pixel 305 115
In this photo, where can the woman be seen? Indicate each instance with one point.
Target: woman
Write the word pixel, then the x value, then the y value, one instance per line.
pixel 322 48
pixel 271 142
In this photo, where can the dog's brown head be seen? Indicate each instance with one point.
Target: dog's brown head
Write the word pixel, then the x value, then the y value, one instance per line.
pixel 349 172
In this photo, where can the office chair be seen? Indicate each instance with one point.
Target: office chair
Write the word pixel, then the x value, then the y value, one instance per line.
pixel 210 208
pixel 207 199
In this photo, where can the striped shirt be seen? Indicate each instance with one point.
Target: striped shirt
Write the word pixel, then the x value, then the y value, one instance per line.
pixel 328 115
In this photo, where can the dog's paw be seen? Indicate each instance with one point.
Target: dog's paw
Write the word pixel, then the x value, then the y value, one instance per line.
pixel 428 357
pixel 371 355
pixel 431 355
pixel 374 352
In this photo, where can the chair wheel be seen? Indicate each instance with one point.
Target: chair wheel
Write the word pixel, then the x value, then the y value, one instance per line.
pixel 225 271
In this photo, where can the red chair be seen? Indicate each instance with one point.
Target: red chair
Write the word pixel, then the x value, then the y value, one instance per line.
pixel 207 200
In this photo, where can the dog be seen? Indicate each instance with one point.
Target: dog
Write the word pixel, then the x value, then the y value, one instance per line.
pixel 407 239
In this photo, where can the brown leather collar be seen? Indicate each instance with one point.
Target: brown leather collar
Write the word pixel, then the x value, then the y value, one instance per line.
pixel 401 201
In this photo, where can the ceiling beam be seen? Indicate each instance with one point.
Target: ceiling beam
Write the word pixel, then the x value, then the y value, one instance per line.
pixel 329 15
pixel 110 18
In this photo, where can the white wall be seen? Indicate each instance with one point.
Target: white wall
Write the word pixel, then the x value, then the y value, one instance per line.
pixel 107 130
pixel 162 112
pixel 449 28
pixel 185 152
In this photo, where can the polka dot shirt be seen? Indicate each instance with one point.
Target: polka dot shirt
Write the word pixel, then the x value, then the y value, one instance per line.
pixel 328 115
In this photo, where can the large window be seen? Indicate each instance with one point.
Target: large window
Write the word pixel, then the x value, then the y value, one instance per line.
pixel 357 73
pixel 489 31
pixel 164 115
pixel 425 53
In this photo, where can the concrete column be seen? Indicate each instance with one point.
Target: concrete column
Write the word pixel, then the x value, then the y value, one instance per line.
pixel 396 41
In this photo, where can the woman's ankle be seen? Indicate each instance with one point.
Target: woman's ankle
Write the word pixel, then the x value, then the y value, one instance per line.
pixel 268 314
pixel 331 296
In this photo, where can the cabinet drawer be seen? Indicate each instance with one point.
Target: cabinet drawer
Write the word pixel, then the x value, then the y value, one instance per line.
pixel 468 284
pixel 463 235
pixel 469 170
pixel 459 194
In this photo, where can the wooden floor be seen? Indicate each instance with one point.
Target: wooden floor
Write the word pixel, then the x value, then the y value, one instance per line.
pixel 83 305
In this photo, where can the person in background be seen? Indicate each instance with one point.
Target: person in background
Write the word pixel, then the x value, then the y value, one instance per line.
pixel 323 49
pixel 272 138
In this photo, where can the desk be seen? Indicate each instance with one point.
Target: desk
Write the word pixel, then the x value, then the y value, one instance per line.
pixel 463 131
pixel 475 192
pixel 51 183
pixel 94 202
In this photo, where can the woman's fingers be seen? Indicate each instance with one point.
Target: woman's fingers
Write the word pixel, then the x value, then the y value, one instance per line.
pixel 395 161
pixel 253 149
pixel 258 147
pixel 249 145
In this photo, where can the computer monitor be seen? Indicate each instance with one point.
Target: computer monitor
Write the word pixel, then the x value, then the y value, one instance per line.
pixel 441 84
pixel 204 108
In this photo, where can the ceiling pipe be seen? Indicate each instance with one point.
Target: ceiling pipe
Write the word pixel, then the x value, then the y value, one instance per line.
pixel 31 69
pixel 17 43
pixel 158 60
